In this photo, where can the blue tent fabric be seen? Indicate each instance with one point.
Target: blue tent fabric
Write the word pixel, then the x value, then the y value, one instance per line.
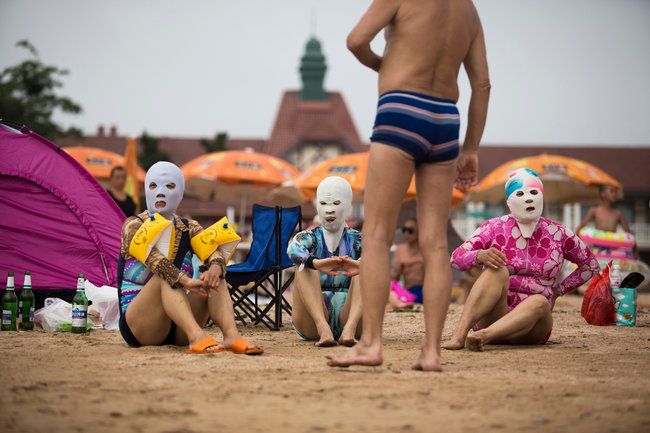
pixel 272 230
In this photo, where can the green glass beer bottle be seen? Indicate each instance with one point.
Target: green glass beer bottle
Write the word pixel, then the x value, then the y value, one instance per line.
pixel 9 306
pixel 26 304
pixel 79 308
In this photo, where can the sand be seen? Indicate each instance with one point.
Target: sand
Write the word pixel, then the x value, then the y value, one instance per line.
pixel 586 379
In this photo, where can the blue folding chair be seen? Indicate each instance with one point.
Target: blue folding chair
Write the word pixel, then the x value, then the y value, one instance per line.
pixel 267 258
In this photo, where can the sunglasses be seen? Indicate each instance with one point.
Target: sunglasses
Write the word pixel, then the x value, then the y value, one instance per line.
pixel 408 230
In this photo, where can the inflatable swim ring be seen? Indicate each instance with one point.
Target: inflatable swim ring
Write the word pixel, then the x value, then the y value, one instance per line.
pixel 604 238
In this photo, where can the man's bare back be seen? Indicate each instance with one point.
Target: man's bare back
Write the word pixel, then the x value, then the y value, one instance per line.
pixel 426 43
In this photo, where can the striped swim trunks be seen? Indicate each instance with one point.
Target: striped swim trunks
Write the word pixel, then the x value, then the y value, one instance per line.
pixel 423 126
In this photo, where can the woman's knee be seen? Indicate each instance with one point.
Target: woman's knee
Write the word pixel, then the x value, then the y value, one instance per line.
pixel 539 304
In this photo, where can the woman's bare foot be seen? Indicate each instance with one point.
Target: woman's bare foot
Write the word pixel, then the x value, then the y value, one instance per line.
pixel 476 341
pixel 454 344
pixel 429 360
pixel 326 337
pixel 360 354
pixel 347 338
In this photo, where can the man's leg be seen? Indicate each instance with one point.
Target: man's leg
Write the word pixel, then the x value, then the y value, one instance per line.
pixel 434 190
pixel 308 312
pixel 150 314
pixel 486 303
pixel 350 316
pixel 528 323
pixel 389 174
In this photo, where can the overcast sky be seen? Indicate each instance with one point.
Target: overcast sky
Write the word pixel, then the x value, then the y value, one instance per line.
pixel 562 71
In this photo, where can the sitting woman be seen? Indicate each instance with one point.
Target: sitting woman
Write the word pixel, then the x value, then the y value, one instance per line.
pixel 521 254
pixel 159 301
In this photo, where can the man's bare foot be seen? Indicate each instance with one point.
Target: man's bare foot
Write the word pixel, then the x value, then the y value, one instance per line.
pixel 454 344
pixel 475 342
pixel 360 354
pixel 429 360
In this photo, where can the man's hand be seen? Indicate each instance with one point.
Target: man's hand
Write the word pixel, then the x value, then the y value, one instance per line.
pixel 493 258
pixel 194 285
pixel 350 266
pixel 466 171
pixel 211 278
pixel 329 266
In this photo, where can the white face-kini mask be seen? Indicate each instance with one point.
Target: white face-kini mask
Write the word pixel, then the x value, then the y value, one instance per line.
pixel 162 198
pixel 525 198
pixel 334 204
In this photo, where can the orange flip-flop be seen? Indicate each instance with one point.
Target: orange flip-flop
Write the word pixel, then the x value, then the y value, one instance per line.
pixel 207 345
pixel 241 347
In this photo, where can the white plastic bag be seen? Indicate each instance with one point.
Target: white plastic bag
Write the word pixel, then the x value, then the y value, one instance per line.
pixel 105 301
pixel 55 313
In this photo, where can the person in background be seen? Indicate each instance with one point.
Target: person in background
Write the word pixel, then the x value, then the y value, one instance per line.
pixel 116 191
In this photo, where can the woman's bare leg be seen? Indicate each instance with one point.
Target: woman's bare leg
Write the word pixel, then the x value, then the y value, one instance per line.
pixel 350 316
pixel 486 303
pixel 528 323
pixel 308 313
pixel 150 313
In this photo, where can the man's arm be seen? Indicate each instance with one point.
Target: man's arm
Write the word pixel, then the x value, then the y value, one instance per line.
pixel 379 15
pixel 590 215
pixel 396 272
pixel 623 223
pixel 476 66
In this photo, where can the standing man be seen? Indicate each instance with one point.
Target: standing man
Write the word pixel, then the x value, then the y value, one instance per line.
pixel 416 130
pixel 116 191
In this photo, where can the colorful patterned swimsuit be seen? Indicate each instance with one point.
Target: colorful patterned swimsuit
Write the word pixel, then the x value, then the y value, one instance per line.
pixel 533 264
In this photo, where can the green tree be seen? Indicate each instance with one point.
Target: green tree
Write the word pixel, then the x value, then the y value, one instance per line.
pixel 27 95
pixel 150 153
pixel 216 145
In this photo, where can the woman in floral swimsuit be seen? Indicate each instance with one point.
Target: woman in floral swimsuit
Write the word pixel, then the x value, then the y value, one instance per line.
pixel 522 255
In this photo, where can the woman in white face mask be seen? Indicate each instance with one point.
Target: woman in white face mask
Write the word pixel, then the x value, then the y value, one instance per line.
pixel 154 306
pixel 521 254
pixel 327 302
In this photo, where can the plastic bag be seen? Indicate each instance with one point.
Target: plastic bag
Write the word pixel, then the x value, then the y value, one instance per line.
pixel 598 304
pixel 105 301
pixel 56 315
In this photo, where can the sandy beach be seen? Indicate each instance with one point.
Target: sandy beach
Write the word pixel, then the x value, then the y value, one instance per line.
pixel 586 379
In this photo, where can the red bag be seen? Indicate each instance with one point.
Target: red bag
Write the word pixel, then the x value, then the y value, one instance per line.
pixel 598 304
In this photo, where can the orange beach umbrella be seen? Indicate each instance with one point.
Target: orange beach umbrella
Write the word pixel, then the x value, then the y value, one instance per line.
pixel 243 170
pixel 566 180
pixel 99 162
pixel 353 167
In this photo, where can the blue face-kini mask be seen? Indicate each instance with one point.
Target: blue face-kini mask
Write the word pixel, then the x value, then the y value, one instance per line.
pixel 164 185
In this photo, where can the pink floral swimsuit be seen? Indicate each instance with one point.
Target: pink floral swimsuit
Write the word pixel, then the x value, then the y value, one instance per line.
pixel 534 263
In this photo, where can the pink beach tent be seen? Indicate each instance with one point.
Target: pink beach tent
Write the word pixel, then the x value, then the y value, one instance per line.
pixel 56 220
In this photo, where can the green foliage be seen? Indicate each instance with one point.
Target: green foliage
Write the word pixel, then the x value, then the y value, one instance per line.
pixel 27 95
pixel 216 145
pixel 150 152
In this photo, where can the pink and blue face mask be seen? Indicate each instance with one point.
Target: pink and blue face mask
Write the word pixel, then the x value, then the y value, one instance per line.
pixel 525 195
